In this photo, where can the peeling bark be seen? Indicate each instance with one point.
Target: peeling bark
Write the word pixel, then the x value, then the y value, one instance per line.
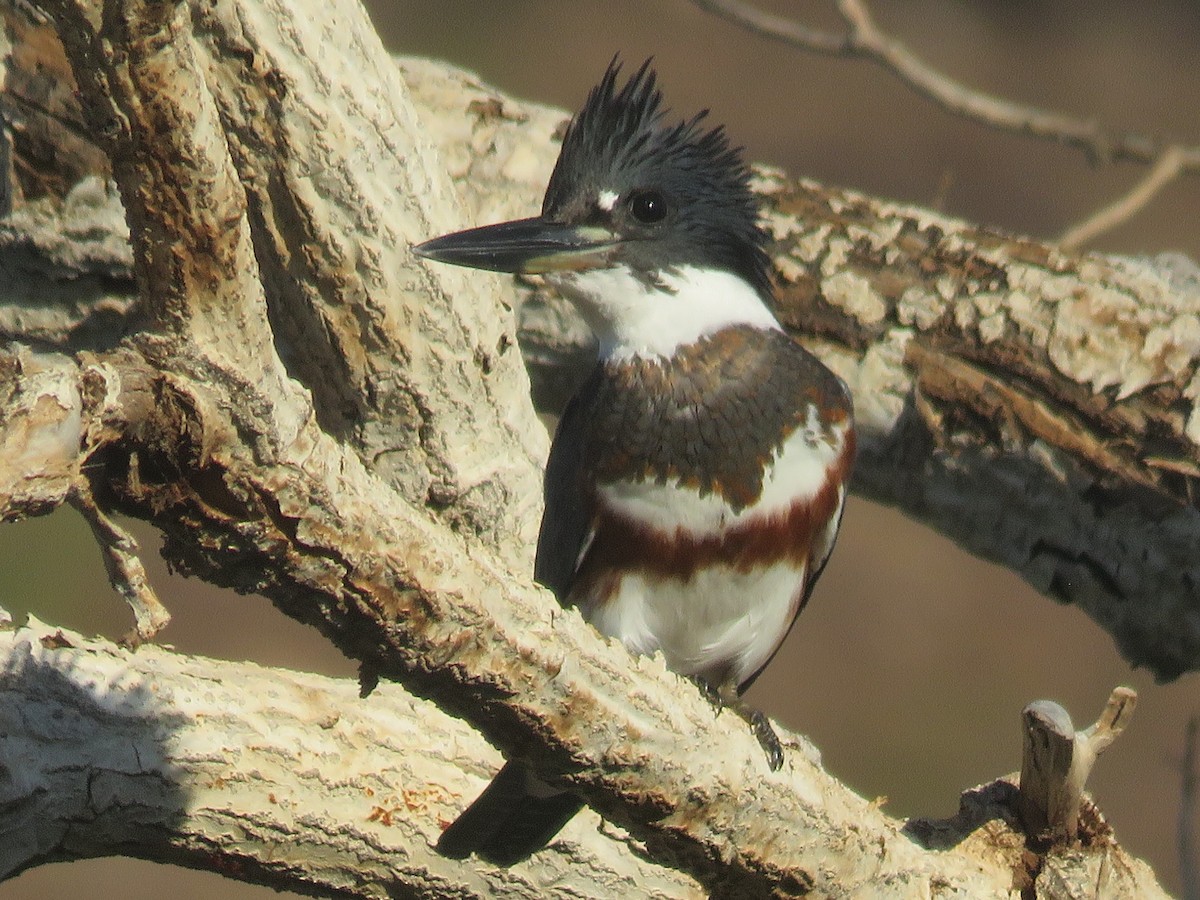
pixel 273 776
pixel 308 412
pixel 1039 407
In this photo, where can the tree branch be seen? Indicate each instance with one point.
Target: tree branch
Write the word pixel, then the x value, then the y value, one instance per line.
pixel 108 751
pixel 331 546
pixel 1037 406
pixel 213 443
pixel 1168 167
pixel 291 780
pixel 865 39
pixel 394 523
pixel 1056 761
pixel 123 564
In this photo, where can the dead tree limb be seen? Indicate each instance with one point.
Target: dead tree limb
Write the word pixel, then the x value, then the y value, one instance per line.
pixel 308 413
pixel 864 39
pixel 277 777
pixel 1037 406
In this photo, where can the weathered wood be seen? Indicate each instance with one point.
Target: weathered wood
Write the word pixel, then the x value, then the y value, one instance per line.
pixel 1037 406
pixel 1056 761
pixel 313 415
pixel 278 777
pixel 122 561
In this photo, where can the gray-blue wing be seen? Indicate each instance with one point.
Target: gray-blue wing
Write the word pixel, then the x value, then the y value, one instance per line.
pixel 518 815
pixel 566 521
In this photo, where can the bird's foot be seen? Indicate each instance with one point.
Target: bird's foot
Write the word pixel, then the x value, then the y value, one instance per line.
pixel 760 725
pixel 762 729
pixel 709 692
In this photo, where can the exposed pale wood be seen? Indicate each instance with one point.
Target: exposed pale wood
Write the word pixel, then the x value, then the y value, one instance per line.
pixel 278 777
pixel 1056 761
pixel 314 416
pixel 40 420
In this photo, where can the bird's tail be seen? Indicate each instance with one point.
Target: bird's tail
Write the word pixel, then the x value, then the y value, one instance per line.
pixel 514 817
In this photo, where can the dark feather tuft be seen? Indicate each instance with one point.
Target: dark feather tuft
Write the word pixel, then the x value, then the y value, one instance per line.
pixel 619 140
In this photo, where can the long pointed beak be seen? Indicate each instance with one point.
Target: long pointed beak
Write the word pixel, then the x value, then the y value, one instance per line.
pixel 527 245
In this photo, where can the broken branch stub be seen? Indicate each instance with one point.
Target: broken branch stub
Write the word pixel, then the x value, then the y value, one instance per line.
pixel 1056 761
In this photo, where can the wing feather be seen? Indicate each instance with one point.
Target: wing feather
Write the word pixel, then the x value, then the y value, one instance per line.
pixel 567 520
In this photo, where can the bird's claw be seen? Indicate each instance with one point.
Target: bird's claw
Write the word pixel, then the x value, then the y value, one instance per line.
pixel 767 739
pixel 760 725
pixel 709 692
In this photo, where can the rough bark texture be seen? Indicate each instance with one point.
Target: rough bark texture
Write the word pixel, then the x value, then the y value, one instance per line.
pixel 309 413
pixel 295 781
pixel 271 776
pixel 1038 407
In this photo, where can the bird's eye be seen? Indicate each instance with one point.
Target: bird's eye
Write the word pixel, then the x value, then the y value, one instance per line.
pixel 648 207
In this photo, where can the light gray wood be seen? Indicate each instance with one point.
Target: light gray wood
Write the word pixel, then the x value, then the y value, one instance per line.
pixel 1056 761
pixel 308 412
pixel 281 777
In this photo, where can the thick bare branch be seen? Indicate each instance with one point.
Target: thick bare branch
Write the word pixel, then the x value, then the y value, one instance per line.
pixel 292 780
pixel 331 545
pixel 202 434
pixel 271 776
pixel 1038 406
pixel 274 216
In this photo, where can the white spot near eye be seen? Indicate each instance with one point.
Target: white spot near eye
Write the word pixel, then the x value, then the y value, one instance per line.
pixel 607 200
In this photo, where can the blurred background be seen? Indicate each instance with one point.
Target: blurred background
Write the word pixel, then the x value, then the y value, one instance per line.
pixel 911 665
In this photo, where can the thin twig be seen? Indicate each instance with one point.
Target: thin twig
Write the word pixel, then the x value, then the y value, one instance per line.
pixel 124 567
pixel 865 39
pixel 1167 169
pixel 777 28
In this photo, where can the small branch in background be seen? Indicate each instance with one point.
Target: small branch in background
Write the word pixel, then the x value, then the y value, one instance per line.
pixel 779 28
pixel 125 570
pixel 864 39
pixel 1057 760
pixel 1169 167
pixel 1189 861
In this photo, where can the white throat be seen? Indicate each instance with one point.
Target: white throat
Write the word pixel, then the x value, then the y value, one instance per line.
pixel 634 318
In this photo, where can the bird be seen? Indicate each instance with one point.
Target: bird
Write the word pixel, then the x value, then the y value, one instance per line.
pixel 696 481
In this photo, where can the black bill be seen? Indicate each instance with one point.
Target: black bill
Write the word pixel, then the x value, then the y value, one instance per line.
pixel 526 245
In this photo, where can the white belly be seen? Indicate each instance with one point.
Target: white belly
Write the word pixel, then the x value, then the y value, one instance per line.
pixel 719 622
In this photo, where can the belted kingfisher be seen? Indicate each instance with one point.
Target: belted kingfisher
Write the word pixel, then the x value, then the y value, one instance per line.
pixel 696 481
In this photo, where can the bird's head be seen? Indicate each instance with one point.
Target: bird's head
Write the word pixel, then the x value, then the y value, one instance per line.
pixel 643 221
